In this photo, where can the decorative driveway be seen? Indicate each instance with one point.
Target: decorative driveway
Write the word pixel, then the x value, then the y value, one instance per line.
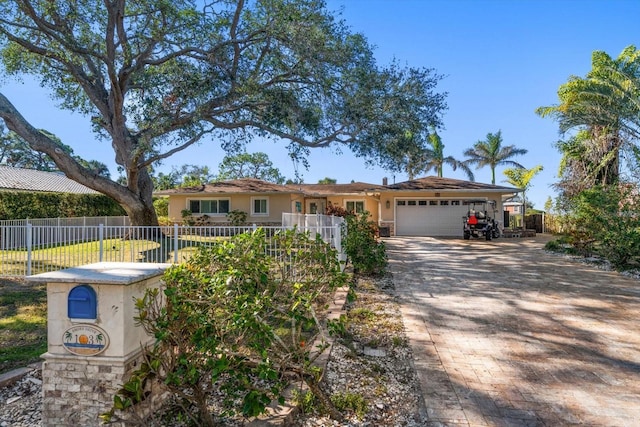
pixel 504 334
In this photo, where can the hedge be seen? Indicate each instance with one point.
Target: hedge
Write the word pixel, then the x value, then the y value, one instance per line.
pixel 21 205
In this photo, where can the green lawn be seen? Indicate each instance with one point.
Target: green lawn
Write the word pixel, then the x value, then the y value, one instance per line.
pixel 13 263
pixel 23 323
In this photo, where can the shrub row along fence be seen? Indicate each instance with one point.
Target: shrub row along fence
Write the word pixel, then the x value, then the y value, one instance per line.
pixel 27 249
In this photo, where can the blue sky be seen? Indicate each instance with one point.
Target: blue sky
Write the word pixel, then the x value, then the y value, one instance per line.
pixel 501 60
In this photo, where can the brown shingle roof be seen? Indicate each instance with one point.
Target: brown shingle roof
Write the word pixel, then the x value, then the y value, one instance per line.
pixel 251 185
pixel 434 183
pixel 335 189
pixel 18 179
pixel 236 186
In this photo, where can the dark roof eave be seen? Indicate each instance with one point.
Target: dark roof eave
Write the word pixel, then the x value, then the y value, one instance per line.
pixel 457 190
pixel 217 193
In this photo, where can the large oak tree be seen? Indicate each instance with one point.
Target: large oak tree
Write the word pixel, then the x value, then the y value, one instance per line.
pixel 157 76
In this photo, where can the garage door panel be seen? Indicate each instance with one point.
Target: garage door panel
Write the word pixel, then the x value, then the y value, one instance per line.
pixel 429 219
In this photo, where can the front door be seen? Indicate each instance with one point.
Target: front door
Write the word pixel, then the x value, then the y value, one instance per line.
pixel 315 206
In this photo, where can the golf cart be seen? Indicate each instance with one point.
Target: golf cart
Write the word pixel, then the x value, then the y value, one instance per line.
pixel 480 220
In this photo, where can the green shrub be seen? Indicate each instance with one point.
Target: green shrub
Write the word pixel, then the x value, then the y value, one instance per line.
pixel 348 401
pixel 364 250
pixel 237 217
pixel 164 221
pixel 238 319
pixel 161 205
pixel 554 246
pixel 187 217
pixel 605 221
pixel 21 205
pixel 305 400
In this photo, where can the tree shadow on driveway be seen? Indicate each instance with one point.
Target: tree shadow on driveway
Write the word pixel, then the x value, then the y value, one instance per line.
pixel 523 337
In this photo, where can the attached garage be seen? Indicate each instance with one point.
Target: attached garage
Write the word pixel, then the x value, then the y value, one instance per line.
pixel 423 217
pixel 434 206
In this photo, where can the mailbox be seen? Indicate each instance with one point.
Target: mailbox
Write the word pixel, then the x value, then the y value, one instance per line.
pixel 94 342
pixel 82 303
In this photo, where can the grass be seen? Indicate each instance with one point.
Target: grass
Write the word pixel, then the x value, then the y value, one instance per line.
pixel 23 323
pixel 13 262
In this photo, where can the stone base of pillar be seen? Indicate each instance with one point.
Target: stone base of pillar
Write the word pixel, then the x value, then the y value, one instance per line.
pixel 76 390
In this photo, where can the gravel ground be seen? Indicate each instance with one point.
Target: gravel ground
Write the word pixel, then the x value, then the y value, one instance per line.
pixel 371 368
pixel 374 361
pixel 21 403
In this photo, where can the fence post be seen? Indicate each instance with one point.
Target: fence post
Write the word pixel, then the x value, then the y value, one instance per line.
pixel 101 241
pixel 255 227
pixel 28 237
pixel 175 243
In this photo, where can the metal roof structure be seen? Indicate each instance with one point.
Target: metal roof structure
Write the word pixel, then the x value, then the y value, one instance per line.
pixel 18 179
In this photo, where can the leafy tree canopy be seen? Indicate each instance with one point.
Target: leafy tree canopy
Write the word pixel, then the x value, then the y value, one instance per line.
pixel 246 165
pixel 15 152
pixel 157 76
pixel 327 180
pixel 602 112
pixel 183 176
pixel 607 97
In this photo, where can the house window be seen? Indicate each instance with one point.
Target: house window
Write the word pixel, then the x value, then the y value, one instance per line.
pixel 444 203
pixel 401 203
pixel 433 203
pixel 455 203
pixel 356 206
pixel 411 202
pixel 209 206
pixel 298 207
pixel 422 203
pixel 259 206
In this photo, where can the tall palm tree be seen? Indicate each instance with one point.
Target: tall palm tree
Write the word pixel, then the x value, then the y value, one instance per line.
pixel 490 152
pixel 432 158
pixel 605 108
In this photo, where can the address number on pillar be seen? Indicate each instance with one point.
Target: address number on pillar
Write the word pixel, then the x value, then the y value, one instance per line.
pixel 85 340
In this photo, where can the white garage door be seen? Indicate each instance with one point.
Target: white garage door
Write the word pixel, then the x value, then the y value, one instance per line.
pixel 429 217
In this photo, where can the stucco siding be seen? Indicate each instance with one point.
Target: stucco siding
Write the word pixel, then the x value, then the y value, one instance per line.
pixel 276 205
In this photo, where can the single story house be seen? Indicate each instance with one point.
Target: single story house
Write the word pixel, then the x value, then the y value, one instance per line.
pixel 430 206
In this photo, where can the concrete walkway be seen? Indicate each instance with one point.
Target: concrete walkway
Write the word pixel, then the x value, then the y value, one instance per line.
pixel 507 335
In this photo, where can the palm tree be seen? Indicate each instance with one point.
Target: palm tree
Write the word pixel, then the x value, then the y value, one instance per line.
pixel 605 108
pixel 521 178
pixel 432 158
pixel 490 152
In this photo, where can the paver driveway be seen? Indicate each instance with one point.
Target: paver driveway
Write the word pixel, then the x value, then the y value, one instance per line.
pixel 505 334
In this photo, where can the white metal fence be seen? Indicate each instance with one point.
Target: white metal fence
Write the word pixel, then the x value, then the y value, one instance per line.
pixel 53 231
pixel 27 249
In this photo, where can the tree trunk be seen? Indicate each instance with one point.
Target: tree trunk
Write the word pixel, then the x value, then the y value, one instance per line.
pixel 136 198
pixel 142 215
pixel 143 212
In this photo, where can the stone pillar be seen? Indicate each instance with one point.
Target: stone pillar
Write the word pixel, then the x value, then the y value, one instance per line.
pixel 93 342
